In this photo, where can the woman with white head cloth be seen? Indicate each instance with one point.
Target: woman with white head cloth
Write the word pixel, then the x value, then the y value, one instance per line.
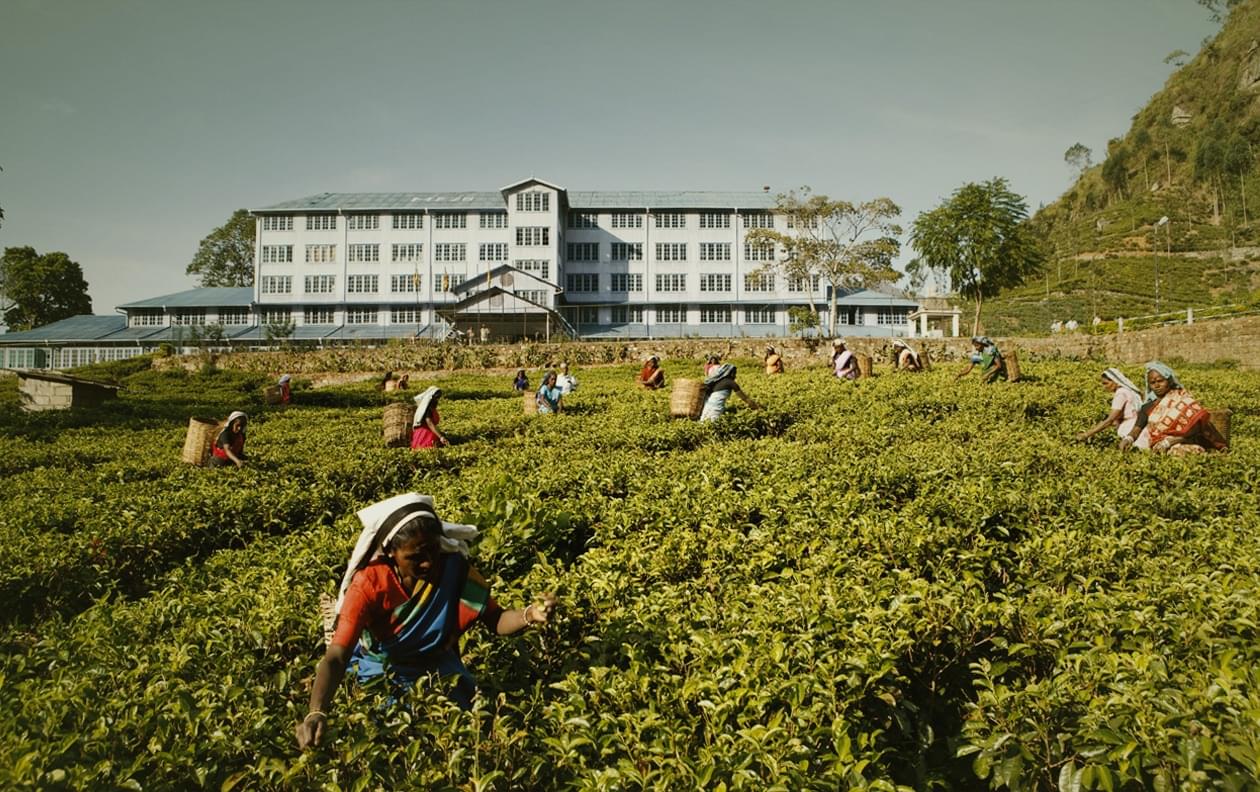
pixel 905 358
pixel 229 446
pixel 285 394
pixel 843 362
pixel 1125 401
pixel 408 594
pixel 424 425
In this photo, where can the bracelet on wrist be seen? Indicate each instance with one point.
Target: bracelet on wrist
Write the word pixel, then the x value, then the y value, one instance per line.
pixel 525 615
pixel 313 713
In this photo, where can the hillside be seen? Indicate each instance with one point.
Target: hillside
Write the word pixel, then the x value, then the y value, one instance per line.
pixel 1189 155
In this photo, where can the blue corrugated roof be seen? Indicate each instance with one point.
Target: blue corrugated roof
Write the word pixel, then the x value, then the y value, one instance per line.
pixel 84 327
pixel 204 297
pixel 617 199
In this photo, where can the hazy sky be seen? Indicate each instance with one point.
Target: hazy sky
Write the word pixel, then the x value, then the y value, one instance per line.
pixel 130 128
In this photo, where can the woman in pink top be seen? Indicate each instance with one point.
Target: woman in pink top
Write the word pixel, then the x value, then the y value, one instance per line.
pixel 1125 400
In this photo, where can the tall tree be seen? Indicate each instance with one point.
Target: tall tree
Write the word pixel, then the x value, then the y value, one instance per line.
pixel 850 246
pixel 1079 156
pixel 1219 9
pixel 226 256
pixel 41 289
pixel 980 237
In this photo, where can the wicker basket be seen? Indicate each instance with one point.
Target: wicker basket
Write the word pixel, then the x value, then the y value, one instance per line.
pixel 199 440
pixel 1221 420
pixel 864 365
pixel 687 398
pixel 1012 367
pixel 396 428
pixel 273 394
pixel 529 402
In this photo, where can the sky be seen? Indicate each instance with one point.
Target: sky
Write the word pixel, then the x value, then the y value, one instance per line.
pixel 130 129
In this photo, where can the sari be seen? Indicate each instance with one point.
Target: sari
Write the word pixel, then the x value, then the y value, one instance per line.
pixel 845 365
pixel 651 376
pixel 988 356
pixel 774 361
pixel 720 384
pixel 548 399
pixel 1176 414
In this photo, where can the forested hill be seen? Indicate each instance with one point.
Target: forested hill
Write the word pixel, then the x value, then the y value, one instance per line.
pixel 1190 155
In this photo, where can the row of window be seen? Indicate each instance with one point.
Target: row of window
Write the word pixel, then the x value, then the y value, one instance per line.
pixel 372 222
pixel 677 282
pixel 672 314
pixel 525 202
pixel 673 220
pixel 666 251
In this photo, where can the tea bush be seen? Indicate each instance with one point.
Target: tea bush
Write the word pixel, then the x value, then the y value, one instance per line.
pixel 898 583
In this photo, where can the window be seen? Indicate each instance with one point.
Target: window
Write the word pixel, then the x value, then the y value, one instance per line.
pixel 400 284
pixel 189 316
pixel 627 221
pixel 321 254
pixel 277 284
pixel 314 316
pixel 362 316
pixel 277 223
pixel 798 284
pixel 711 315
pixel 277 254
pixel 582 282
pixel 233 316
pixel 674 282
pixel 363 222
pixel 715 220
pixel 533 235
pixel 583 251
pixel 759 220
pixel 627 314
pixel 715 251
pixel 319 284
pixel 671 220
pixel 363 253
pixel 533 295
pixel 715 282
pixel 362 284
pixel 627 282
pixel 276 316
pixel 539 267
pixel 405 316
pixel 411 251
pixel 803 222
pixel 450 220
pixel 671 251
pixel 759 251
pixel 493 220
pixel 533 201
pixel 321 222
pixel 444 282
pixel 585 315
pixel 890 316
pixel 408 221
pixel 449 251
pixel 759 282
pixel 492 251
pixel 583 220
pixel 761 316
pixel 151 318
pixel 671 314
pixel 627 251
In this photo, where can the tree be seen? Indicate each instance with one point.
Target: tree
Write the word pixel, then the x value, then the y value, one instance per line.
pixel 1219 9
pixel 1115 171
pixel 1177 58
pixel 226 256
pixel 41 289
pixel 1079 156
pixel 851 246
pixel 980 237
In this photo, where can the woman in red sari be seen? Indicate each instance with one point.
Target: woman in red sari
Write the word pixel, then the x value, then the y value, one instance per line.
pixel 1171 420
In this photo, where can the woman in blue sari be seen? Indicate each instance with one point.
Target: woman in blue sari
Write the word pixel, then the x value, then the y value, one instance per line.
pixel 549 395
pixel 408 594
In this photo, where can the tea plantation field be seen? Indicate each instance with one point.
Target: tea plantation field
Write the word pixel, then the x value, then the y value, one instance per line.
pixel 898 583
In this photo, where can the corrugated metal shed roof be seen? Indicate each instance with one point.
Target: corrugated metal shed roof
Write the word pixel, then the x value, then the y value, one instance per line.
pixel 869 297
pixel 84 327
pixel 617 199
pixel 204 297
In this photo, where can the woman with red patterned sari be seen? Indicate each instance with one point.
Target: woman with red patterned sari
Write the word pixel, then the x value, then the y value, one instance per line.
pixel 1171 420
pixel 407 596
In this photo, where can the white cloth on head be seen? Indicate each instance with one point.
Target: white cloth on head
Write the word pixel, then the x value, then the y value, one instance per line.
pixel 423 401
pixel 236 414
pixel 283 379
pixel 376 533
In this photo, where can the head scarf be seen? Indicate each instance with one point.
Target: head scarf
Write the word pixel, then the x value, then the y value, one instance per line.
pixel 1117 376
pixel 1163 371
pixel 654 360
pixel 837 342
pixel 237 414
pixel 424 402
pixel 382 521
pixel 283 379
pixel 770 351
pixel 720 373
pixel 983 341
pixel 898 343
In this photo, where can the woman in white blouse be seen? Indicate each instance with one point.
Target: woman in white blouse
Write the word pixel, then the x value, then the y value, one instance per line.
pixel 1125 400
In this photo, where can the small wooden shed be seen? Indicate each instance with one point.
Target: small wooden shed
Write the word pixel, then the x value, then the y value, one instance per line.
pixel 40 389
